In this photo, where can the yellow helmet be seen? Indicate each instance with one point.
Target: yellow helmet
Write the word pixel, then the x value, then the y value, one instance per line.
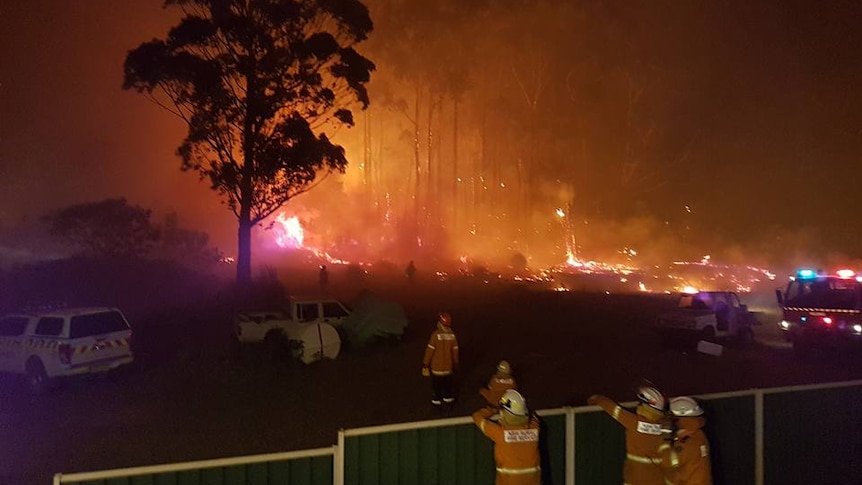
pixel 504 368
pixel 685 406
pixel 513 402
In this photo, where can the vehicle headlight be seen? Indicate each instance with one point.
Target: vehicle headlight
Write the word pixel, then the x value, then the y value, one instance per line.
pixel 857 328
pixel 784 324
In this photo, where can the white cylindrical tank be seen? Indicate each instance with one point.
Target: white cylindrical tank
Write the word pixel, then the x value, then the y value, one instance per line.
pixel 313 341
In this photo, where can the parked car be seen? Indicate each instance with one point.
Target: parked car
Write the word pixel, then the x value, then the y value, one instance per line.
pixel 70 342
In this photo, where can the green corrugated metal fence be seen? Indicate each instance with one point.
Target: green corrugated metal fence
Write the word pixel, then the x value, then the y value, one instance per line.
pixel 782 436
pixel 813 436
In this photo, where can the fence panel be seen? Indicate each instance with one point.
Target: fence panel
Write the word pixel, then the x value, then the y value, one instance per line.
pixel 600 448
pixel 813 436
pixel 730 431
pixel 450 454
pixel 455 454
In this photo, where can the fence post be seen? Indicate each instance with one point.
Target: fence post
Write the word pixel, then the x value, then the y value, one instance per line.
pixel 570 446
pixel 338 462
pixel 758 437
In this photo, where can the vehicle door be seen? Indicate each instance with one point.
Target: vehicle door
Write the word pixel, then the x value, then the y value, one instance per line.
pixel 11 333
pixel 723 312
pixel 308 311
pixel 45 343
pixel 98 339
pixel 736 312
pixel 334 312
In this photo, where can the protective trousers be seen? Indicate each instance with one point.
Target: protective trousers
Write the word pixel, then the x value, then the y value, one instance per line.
pixel 442 389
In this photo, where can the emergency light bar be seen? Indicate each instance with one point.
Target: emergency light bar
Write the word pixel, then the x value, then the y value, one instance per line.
pixel 804 274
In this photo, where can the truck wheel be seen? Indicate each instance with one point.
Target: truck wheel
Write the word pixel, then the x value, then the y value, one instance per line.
pixel 37 379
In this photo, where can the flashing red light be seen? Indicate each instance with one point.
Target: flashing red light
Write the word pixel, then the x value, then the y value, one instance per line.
pixel 827 321
pixel 845 273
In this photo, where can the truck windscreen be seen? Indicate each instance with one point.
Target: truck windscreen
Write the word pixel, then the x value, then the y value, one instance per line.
pixel 836 293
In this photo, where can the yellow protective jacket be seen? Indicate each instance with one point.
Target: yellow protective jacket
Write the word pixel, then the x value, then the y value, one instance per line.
pixel 688 461
pixel 441 354
pixel 644 440
pixel 516 449
pixel 497 386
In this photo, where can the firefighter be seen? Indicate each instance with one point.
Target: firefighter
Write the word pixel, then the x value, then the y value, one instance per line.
pixel 516 440
pixel 441 361
pixel 687 460
pixel 498 384
pixel 646 430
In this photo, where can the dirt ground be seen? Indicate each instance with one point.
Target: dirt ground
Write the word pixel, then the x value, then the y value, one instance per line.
pixel 190 396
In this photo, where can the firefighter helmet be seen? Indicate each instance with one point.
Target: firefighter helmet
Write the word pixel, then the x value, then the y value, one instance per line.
pixel 685 406
pixel 504 368
pixel 444 319
pixel 651 397
pixel 513 402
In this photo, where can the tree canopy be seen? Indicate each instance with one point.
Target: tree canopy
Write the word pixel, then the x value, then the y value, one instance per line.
pixel 258 83
pixel 110 228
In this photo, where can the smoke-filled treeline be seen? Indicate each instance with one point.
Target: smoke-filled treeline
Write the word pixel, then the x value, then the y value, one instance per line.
pixel 487 117
pixel 550 127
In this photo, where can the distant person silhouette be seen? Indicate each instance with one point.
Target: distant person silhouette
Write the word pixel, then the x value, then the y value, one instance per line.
pixel 410 271
pixel 324 277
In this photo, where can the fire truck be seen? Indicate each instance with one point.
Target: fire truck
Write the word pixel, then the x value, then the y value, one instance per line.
pixel 822 310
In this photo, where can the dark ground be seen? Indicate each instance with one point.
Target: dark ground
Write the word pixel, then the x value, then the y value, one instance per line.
pixel 190 397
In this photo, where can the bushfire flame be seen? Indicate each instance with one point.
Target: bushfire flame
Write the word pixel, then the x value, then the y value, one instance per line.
pixel 288 231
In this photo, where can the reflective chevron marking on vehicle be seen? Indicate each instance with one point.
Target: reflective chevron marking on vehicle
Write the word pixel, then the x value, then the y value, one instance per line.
pixel 103 344
pixel 831 310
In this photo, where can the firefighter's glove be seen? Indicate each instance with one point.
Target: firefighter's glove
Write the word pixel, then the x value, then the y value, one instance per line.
pixel 425 372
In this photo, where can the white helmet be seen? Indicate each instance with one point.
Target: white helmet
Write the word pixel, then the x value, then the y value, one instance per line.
pixel 651 397
pixel 513 402
pixel 504 368
pixel 685 406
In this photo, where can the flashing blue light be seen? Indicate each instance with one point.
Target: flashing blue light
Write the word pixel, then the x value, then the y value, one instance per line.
pixel 805 273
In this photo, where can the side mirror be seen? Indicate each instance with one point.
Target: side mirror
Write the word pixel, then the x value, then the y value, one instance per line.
pixel 779 296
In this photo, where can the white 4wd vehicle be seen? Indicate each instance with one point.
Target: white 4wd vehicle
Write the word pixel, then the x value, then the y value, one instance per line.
pixel 64 343
pixel 307 326
pixel 709 315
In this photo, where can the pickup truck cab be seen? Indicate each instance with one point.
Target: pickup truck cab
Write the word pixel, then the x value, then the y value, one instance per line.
pixel 307 326
pixel 63 343
pixel 708 315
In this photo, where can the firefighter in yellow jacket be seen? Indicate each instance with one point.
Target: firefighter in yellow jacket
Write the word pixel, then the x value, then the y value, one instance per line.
pixel 687 460
pixel 498 384
pixel 441 360
pixel 646 431
pixel 515 434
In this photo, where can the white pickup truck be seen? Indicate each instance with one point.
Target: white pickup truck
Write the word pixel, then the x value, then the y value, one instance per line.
pixel 708 315
pixel 306 326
